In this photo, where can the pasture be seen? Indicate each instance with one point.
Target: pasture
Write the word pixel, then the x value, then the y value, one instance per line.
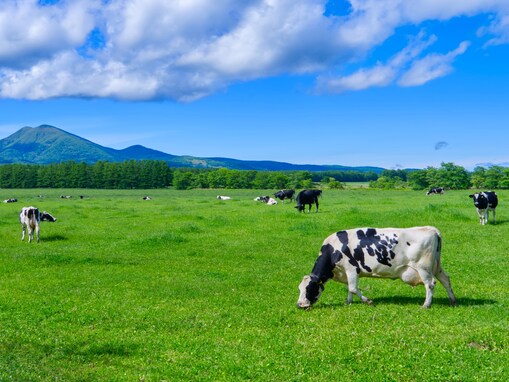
pixel 188 287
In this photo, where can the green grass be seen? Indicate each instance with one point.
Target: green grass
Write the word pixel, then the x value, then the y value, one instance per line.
pixel 187 287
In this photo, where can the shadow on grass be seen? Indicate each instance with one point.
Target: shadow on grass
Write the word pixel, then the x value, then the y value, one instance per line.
pixel 54 238
pixel 418 301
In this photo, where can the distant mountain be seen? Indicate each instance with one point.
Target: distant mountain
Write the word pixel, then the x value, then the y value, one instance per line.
pixel 47 144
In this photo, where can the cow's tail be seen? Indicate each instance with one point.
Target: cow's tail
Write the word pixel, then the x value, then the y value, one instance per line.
pixel 437 252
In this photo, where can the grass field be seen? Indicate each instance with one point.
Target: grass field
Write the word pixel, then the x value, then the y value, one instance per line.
pixel 185 287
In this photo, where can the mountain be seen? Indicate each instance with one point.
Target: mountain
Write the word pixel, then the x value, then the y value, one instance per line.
pixel 48 144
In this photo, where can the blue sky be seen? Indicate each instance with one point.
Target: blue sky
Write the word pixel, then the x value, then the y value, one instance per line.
pixel 389 83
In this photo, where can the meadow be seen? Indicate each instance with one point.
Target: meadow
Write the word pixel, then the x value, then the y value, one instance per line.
pixel 185 287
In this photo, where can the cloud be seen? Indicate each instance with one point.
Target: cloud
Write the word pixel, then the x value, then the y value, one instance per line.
pixel 441 145
pixel 431 67
pixel 185 50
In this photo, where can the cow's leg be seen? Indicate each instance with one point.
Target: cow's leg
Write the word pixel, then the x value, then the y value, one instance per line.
pixel 37 231
pixel 429 284
pixel 30 234
pixel 353 280
pixel 444 279
pixel 23 231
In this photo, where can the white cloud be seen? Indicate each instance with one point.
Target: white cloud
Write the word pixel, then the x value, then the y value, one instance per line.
pixel 431 67
pixel 187 49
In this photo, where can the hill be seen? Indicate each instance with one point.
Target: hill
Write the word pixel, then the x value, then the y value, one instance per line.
pixel 48 144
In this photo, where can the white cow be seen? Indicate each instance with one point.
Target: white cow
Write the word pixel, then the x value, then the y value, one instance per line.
pixel 410 254
pixel 221 197
pixel 266 199
pixel 30 218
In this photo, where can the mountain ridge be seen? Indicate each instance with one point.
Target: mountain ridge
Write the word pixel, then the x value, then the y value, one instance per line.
pixel 47 144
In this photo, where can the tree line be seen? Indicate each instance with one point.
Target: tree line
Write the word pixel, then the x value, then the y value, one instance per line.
pixel 150 174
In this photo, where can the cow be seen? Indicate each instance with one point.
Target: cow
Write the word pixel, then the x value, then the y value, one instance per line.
pixel 410 254
pixel 65 196
pixel 147 198
pixel 221 197
pixel 266 199
pixel 307 197
pixel 30 218
pixel 10 200
pixel 484 202
pixel 435 190
pixel 284 194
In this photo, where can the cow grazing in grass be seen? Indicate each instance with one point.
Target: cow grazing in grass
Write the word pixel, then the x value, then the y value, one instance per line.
pixel 307 197
pixel 435 191
pixel 10 200
pixel 410 254
pixel 147 198
pixel 484 202
pixel 30 218
pixel 284 194
pixel 222 197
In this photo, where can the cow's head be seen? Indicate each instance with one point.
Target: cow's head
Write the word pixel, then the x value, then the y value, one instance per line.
pixel 310 289
pixel 47 217
pixel 480 200
pixel 300 207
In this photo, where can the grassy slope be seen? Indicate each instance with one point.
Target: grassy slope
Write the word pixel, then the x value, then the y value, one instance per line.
pixel 186 287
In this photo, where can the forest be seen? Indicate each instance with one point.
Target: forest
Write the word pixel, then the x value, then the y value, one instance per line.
pixel 152 174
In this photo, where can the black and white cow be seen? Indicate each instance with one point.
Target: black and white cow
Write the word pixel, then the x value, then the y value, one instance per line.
pixel 284 194
pixel 222 197
pixel 435 190
pixel 147 198
pixel 484 202
pixel 266 199
pixel 30 218
pixel 410 254
pixel 307 197
pixel 10 200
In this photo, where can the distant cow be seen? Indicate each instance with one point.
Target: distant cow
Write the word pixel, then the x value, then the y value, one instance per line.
pixel 30 217
pixel 307 197
pixel 221 197
pixel 266 199
pixel 65 196
pixel 410 254
pixel 436 190
pixel 147 198
pixel 10 200
pixel 284 194
pixel 484 202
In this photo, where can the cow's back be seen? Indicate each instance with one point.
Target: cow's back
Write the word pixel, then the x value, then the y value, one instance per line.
pixel 385 252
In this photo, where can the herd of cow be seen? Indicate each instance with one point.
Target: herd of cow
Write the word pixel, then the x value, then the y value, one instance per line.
pixel 410 254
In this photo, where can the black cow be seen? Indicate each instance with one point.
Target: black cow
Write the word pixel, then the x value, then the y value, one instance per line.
pixel 436 190
pixel 484 202
pixel 284 194
pixel 307 197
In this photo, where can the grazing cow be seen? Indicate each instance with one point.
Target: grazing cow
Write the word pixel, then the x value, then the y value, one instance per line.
pixel 411 254
pixel 65 196
pixel 436 190
pixel 284 194
pixel 307 197
pixel 10 200
pixel 220 197
pixel 266 199
pixel 484 202
pixel 30 217
pixel 147 198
